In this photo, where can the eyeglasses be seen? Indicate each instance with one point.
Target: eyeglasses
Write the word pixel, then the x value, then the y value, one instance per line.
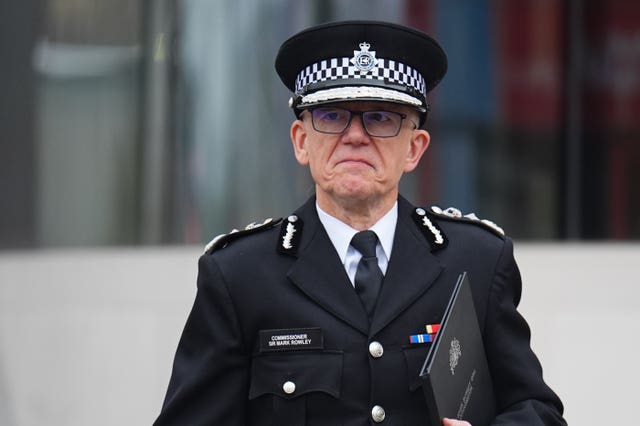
pixel 379 124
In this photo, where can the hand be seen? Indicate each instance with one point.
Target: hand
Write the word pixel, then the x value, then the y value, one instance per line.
pixel 451 422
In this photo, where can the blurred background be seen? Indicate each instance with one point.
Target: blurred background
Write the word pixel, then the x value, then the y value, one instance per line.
pixel 135 122
pixel 133 131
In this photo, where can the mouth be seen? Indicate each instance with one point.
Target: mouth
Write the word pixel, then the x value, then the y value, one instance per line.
pixel 355 162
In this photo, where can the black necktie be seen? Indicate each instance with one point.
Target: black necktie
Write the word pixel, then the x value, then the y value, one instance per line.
pixel 368 275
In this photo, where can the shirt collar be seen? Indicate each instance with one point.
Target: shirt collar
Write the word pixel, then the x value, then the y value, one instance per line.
pixel 341 234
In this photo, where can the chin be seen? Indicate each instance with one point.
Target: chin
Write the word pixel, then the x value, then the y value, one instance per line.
pixel 356 191
pixel 352 187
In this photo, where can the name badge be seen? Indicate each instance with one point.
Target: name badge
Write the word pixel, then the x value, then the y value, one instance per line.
pixel 291 339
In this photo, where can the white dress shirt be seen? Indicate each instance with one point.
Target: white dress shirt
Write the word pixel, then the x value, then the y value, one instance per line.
pixel 341 234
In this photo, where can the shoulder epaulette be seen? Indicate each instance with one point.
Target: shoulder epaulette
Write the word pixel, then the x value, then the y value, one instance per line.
pixel 223 240
pixel 456 215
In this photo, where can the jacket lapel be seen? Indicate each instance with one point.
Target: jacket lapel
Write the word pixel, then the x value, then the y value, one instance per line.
pixel 319 273
pixel 412 270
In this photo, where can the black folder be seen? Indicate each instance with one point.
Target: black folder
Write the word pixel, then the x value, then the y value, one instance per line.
pixel 456 378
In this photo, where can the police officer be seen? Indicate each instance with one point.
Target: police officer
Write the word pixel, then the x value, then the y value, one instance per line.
pixel 307 320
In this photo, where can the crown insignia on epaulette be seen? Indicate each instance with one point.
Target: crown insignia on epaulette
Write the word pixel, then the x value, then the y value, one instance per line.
pixel 453 213
pixel 220 241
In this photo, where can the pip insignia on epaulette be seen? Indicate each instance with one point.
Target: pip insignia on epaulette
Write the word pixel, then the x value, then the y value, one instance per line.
pixel 434 235
pixel 222 240
pixel 454 214
pixel 290 234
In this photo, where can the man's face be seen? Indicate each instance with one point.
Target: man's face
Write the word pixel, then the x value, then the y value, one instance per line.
pixel 353 166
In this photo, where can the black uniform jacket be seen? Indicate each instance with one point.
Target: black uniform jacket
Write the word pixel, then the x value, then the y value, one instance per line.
pixel 224 374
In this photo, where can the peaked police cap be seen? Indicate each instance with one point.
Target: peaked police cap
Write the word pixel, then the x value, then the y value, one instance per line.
pixel 360 60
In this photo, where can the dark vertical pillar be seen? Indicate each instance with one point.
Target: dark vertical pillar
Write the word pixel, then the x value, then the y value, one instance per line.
pixel 571 195
pixel 19 28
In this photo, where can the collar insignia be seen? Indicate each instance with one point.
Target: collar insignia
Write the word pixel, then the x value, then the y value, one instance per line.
pixel 434 235
pixel 364 59
pixel 290 234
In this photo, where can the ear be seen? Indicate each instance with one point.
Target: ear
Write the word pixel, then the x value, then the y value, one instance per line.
pixel 418 145
pixel 298 133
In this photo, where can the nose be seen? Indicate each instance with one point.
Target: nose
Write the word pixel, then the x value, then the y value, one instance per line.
pixel 355 132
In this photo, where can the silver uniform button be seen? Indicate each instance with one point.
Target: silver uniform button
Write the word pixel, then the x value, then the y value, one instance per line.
pixel 377 414
pixel 375 349
pixel 289 387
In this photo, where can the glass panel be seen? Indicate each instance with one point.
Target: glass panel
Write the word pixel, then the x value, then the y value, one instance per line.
pixel 88 62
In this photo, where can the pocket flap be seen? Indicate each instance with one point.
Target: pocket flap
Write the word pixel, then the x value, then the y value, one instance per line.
pixel 308 372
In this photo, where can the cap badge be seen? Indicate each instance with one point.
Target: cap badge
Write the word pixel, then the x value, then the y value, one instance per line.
pixel 364 59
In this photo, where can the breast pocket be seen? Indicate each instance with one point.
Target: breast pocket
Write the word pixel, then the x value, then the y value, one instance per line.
pixel 290 378
pixel 415 357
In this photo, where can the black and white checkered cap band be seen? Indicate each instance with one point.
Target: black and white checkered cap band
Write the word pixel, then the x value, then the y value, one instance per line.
pixel 342 68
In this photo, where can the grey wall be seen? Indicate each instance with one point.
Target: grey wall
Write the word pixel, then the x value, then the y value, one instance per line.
pixel 88 336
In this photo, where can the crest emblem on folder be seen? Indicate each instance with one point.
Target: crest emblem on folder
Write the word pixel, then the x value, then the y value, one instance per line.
pixel 455 352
